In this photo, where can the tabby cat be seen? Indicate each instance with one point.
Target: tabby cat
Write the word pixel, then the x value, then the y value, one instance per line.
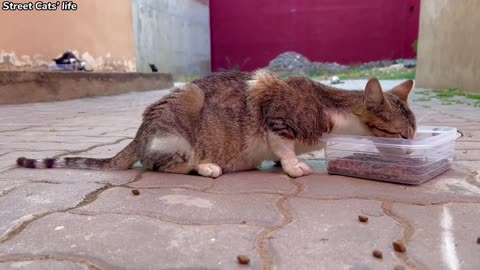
pixel 233 121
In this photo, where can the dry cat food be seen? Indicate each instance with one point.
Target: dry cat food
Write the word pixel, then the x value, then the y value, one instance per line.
pixel 135 192
pixel 399 246
pixel 408 170
pixel 243 259
pixel 362 218
pixel 478 240
pixel 377 254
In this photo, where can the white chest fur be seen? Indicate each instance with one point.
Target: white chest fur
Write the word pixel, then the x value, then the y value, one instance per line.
pixel 257 150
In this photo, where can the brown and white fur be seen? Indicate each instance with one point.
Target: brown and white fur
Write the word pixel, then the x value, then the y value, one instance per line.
pixel 233 121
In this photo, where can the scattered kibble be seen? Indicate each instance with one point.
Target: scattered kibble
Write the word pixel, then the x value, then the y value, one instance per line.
pixel 377 254
pixel 399 267
pixel 478 240
pixel 135 192
pixel 362 218
pixel 399 246
pixel 243 259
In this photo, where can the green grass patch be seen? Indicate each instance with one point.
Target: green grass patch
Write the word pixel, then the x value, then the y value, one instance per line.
pixel 424 93
pixel 356 73
pixel 473 96
pixel 455 92
pixel 423 99
pixel 448 93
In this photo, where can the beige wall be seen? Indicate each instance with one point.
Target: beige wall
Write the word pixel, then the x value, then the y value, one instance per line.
pixel 100 32
pixel 449 45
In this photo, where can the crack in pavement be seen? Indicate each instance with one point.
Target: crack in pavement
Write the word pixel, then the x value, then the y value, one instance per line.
pixel 24 222
pixel 123 130
pixel 89 198
pixel 68 152
pixel 7 190
pixel 3 154
pixel 137 178
pixel 17 229
pixel 261 243
pixel 19 129
pixel 45 182
pixel 76 152
pixel 170 220
pixel 60 258
pixel 408 231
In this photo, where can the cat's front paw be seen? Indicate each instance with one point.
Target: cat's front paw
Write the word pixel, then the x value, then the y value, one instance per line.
pixel 297 170
pixel 209 170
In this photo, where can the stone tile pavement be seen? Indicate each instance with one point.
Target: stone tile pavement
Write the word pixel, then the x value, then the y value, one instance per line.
pixel 74 219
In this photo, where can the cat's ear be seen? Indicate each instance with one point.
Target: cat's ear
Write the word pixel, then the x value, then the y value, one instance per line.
pixel 374 95
pixel 403 90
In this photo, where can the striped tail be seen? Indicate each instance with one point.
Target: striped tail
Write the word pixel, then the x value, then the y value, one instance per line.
pixel 122 161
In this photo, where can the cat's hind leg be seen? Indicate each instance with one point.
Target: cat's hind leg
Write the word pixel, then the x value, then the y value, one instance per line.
pixel 175 163
pixel 172 153
pixel 168 153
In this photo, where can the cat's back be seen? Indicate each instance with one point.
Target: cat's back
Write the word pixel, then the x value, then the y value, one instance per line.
pixel 226 84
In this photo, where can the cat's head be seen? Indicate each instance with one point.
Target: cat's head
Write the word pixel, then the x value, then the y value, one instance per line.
pixel 387 114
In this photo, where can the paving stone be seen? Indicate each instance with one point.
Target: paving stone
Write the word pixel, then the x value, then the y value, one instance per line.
pixel 187 206
pixel 459 145
pixel 164 180
pixel 133 242
pixel 469 165
pixel 328 235
pixel 254 181
pixel 467 154
pixel 8 186
pixel 49 138
pixel 447 233
pixel 475 135
pixel 68 176
pixel 30 200
pixel 43 265
pixel 105 151
pixel 46 146
pixel 449 186
pixel 59 130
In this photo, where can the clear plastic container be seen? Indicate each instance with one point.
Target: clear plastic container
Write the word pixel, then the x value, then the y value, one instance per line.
pixel 393 160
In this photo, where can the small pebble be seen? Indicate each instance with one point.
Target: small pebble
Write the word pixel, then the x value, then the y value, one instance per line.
pixel 399 246
pixel 377 254
pixel 243 259
pixel 135 192
pixel 399 267
pixel 362 218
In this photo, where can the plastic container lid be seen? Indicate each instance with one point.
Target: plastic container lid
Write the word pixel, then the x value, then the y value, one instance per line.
pixel 426 137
